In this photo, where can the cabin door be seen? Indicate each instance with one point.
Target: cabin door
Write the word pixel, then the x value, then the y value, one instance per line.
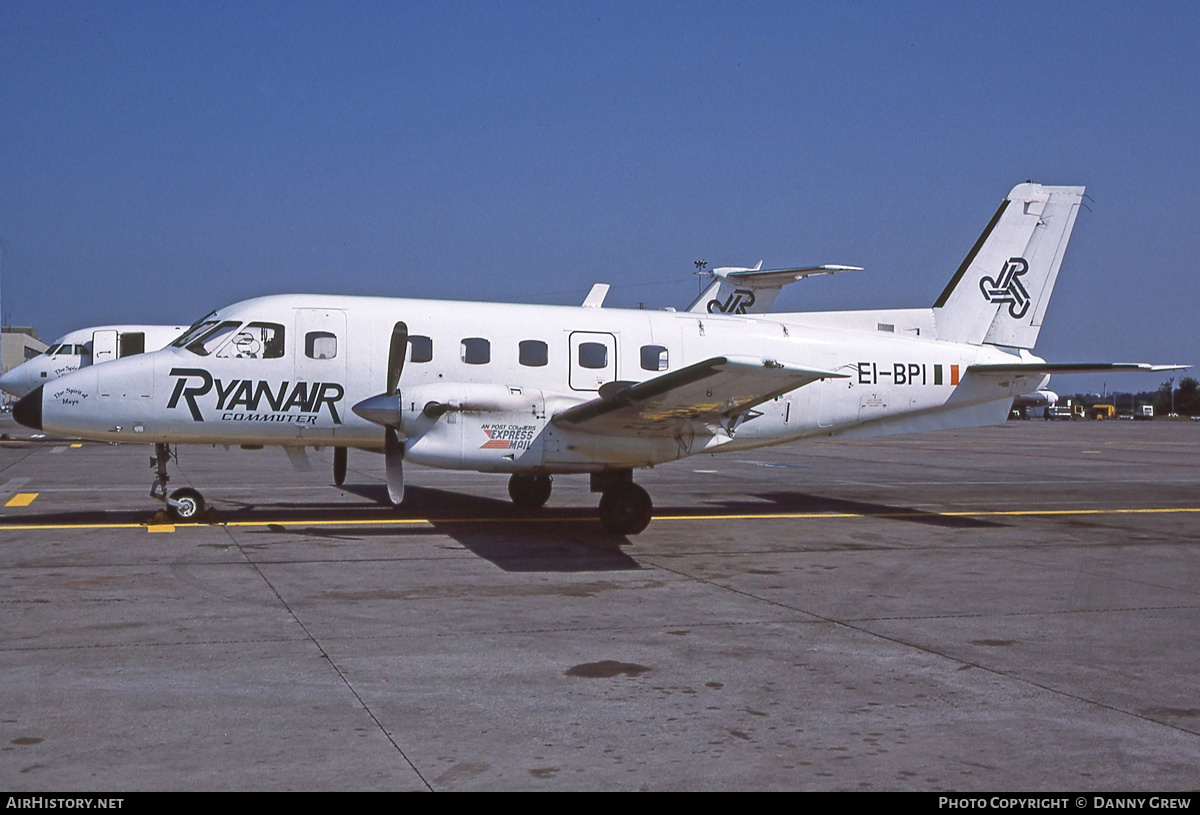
pixel 320 360
pixel 593 360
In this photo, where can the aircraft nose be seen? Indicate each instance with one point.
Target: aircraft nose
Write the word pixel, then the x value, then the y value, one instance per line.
pixel 28 410
pixel 14 382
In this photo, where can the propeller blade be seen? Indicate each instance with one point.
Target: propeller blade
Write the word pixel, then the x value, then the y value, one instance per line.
pixel 386 410
pixel 396 357
pixel 393 450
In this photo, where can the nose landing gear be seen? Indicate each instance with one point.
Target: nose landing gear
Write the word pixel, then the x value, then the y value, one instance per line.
pixel 185 504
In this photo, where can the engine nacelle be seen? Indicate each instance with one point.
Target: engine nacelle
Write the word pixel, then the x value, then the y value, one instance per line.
pixel 473 426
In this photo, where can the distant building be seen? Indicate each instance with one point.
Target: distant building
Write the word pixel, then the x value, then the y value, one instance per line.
pixel 17 344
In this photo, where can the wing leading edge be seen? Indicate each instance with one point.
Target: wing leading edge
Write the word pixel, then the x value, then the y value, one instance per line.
pixel 721 391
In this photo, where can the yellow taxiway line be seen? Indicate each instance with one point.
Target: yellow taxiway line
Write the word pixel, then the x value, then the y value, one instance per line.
pixel 745 516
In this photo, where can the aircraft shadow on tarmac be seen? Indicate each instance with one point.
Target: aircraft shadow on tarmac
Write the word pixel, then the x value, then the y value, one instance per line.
pixel 545 540
pixel 551 539
pixel 803 503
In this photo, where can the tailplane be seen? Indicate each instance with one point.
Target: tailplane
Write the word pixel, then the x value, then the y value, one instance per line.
pixel 999 294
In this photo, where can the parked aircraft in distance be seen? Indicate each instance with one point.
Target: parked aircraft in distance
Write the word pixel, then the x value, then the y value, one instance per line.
pixel 1043 398
pixel 86 346
pixel 740 290
pixel 535 391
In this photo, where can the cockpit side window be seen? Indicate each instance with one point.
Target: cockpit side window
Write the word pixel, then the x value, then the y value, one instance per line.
pixel 255 341
pixel 206 343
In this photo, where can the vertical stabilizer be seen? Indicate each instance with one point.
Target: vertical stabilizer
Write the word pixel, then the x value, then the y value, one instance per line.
pixel 1000 292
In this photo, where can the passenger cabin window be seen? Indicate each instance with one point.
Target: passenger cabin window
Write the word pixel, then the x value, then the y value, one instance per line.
pixel 654 358
pixel 255 341
pixel 476 351
pixel 206 343
pixel 534 353
pixel 320 345
pixel 593 355
pixel 422 348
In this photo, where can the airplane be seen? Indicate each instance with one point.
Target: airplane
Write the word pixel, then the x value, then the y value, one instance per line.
pixel 86 346
pixel 537 391
pixel 1042 398
pixel 752 290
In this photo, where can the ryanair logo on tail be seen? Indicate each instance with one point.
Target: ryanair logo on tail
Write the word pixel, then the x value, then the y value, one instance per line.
pixel 1006 288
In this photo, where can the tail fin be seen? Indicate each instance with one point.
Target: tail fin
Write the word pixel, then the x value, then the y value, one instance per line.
pixel 1000 292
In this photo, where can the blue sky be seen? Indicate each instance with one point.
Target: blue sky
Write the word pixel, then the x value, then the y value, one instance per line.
pixel 161 159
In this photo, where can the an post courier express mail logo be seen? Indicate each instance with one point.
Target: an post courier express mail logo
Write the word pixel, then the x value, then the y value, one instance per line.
pixel 248 399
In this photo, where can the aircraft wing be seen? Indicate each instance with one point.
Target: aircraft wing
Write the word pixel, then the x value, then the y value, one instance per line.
pixel 1069 367
pixel 721 391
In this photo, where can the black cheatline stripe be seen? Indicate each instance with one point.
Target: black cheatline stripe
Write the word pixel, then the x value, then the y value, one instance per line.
pixel 941 301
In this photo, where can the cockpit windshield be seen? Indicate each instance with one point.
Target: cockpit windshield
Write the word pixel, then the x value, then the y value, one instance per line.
pixel 193 332
pixel 229 339
pixel 207 343
pixel 64 348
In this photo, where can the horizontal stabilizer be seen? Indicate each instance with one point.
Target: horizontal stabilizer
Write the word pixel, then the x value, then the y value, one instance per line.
pixel 1069 367
pixel 778 277
pixel 736 290
pixel 720 390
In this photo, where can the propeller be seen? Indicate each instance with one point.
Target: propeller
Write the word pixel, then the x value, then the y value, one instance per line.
pixel 384 409
pixel 393 447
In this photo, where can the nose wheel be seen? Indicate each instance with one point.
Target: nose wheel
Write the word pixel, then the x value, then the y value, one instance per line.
pixel 185 504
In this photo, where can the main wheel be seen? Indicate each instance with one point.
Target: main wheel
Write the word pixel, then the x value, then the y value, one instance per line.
pixel 625 509
pixel 191 504
pixel 529 491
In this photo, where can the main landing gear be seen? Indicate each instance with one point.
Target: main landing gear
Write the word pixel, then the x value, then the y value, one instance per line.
pixel 184 504
pixel 529 491
pixel 625 508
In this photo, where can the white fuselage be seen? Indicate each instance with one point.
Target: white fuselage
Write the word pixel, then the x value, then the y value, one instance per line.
pixel 512 368
pixel 84 347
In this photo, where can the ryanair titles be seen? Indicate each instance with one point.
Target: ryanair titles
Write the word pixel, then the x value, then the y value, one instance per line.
pixel 300 403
